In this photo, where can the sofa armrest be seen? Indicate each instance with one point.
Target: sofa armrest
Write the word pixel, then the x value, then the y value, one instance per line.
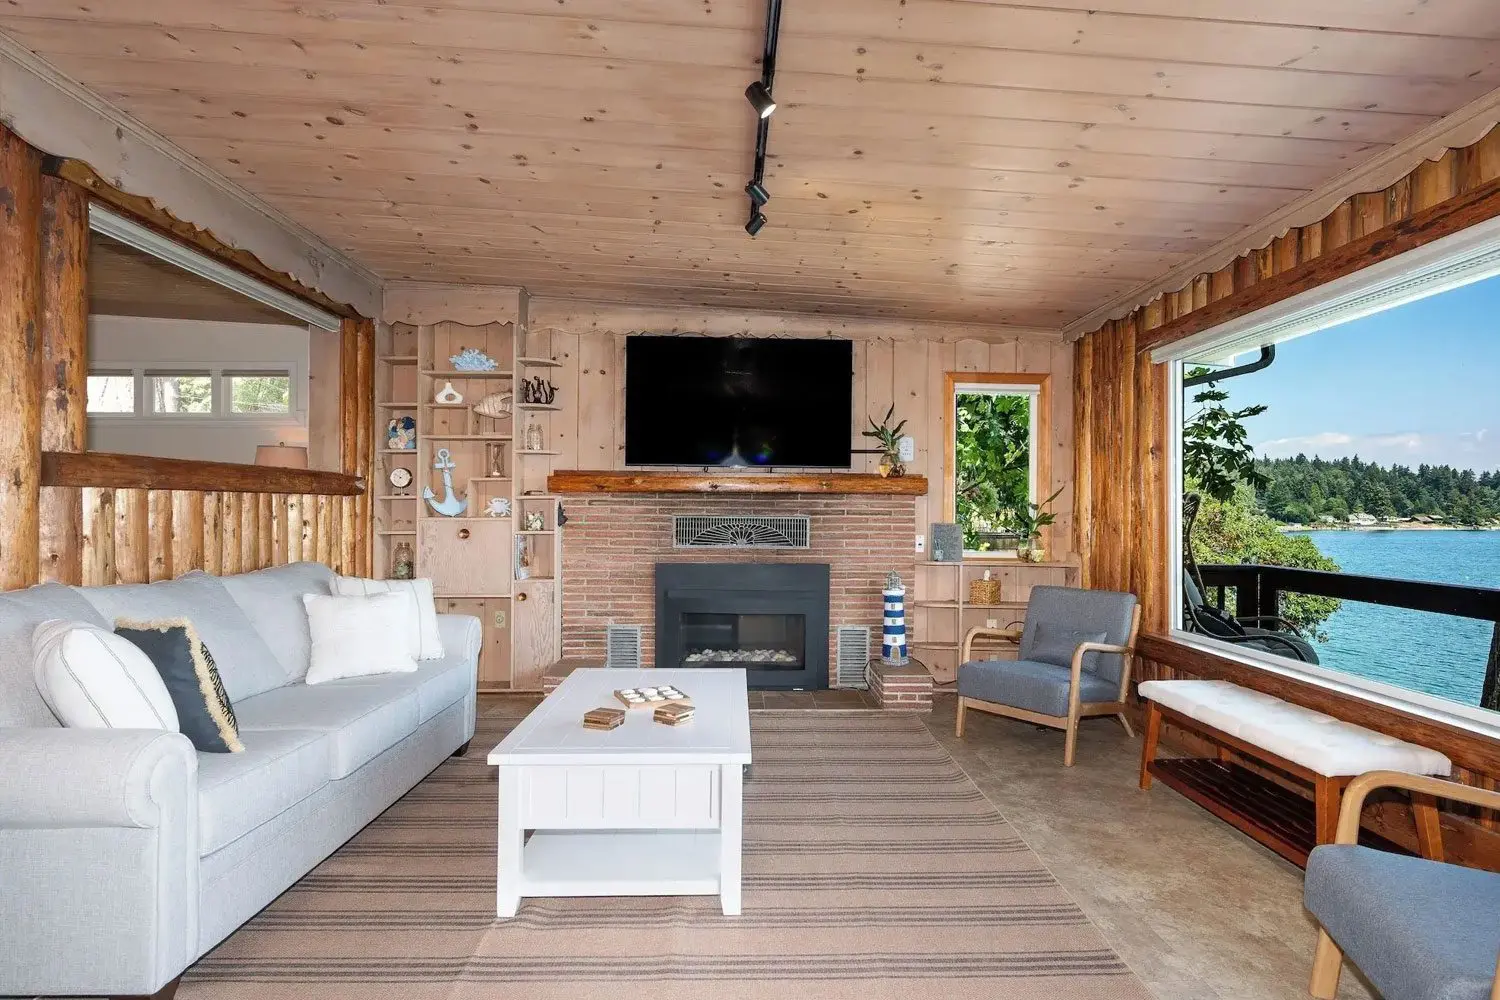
pixel 60 778
pixel 462 635
pixel 99 860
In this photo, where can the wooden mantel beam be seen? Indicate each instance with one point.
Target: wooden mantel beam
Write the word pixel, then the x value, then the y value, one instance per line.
pixel 576 481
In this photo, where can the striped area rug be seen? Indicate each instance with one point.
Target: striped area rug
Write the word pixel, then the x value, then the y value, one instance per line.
pixel 874 869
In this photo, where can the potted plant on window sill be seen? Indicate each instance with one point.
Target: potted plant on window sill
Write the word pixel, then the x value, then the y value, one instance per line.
pixel 1028 521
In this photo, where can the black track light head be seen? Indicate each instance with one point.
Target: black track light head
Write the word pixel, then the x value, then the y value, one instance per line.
pixel 758 193
pixel 760 99
pixel 756 224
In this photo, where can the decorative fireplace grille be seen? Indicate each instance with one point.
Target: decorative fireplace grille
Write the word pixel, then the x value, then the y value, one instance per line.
pixel 752 531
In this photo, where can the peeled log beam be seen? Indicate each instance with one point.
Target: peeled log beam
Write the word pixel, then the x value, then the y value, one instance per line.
pixel 64 316
pixel 20 360
pixel 141 472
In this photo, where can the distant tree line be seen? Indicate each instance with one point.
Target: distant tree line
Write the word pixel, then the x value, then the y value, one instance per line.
pixel 1303 490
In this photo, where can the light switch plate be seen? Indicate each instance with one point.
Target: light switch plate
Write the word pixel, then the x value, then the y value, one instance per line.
pixel 992 623
pixel 921 543
pixel 906 448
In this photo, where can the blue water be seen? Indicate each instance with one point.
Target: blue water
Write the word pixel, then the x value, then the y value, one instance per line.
pixel 1437 654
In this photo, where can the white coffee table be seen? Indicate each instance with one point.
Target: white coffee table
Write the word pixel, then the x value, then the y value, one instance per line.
pixel 640 810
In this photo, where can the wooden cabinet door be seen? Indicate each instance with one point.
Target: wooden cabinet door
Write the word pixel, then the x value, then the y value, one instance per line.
pixel 473 558
pixel 534 627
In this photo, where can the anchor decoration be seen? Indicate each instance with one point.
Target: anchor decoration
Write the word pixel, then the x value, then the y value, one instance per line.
pixel 451 505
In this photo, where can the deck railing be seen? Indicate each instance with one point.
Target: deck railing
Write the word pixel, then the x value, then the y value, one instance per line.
pixel 1257 591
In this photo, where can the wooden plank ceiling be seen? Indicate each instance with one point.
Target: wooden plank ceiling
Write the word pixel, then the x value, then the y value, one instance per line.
pixel 932 159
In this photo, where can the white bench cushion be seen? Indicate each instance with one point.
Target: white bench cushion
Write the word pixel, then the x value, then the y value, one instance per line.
pixel 1320 743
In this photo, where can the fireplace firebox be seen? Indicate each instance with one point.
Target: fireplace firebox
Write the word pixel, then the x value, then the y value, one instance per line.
pixel 769 618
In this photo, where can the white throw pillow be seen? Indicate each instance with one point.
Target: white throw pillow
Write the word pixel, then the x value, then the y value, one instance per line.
pixel 359 636
pixel 428 641
pixel 94 679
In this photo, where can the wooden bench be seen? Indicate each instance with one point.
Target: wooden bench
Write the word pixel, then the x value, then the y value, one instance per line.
pixel 1310 746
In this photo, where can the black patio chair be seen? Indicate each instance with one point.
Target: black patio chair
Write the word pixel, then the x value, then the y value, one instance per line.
pixel 1268 633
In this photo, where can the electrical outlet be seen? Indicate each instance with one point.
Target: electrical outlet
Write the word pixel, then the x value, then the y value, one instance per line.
pixel 921 543
pixel 499 619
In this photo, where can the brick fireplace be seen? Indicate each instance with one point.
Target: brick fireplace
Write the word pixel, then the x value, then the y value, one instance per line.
pixel 613 542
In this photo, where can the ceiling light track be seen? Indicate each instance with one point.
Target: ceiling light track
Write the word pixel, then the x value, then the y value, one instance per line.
pixel 760 94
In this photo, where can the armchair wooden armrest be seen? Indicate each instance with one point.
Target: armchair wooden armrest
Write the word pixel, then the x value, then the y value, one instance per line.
pixel 980 631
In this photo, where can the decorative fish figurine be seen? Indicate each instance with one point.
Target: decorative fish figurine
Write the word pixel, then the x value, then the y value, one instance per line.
pixel 452 505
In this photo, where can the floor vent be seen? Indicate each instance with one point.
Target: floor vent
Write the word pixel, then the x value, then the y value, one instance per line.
pixel 751 531
pixel 622 646
pixel 853 655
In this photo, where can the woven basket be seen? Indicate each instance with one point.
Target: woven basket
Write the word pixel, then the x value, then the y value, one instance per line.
pixel 984 591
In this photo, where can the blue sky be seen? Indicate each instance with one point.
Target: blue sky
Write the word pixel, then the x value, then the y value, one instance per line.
pixel 1420 383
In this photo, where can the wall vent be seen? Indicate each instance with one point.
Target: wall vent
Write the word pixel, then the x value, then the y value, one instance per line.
pixel 622 646
pixel 750 531
pixel 853 655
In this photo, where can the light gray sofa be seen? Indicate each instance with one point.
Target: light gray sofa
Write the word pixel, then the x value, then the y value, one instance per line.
pixel 125 854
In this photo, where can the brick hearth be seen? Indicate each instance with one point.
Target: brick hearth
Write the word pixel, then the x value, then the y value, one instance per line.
pixel 612 544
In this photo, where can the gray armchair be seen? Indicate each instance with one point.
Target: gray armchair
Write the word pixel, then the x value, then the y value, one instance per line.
pixel 1073 662
pixel 1417 928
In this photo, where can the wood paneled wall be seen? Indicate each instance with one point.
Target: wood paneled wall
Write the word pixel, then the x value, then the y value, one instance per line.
pixel 902 364
pixel 1121 414
pixel 81 518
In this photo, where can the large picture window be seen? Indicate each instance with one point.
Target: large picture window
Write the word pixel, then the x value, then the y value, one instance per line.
pixel 995 424
pixel 1337 484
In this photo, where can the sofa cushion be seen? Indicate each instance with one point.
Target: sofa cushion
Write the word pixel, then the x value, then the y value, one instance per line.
pixel 21 611
pixel 237 792
pixel 362 718
pixel 437 683
pixel 272 600
pixel 1417 929
pixel 1027 684
pixel 246 666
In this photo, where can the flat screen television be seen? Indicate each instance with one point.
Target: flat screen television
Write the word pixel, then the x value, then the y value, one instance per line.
pixel 738 401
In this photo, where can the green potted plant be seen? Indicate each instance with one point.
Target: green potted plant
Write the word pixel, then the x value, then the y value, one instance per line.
pixel 890 443
pixel 1028 520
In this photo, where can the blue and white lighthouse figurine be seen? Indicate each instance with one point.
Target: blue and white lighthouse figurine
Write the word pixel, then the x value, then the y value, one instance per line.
pixel 893 634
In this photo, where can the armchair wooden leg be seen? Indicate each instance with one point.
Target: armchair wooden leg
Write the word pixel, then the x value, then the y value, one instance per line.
pixel 1429 826
pixel 1070 742
pixel 1148 742
pixel 958 726
pixel 1125 721
pixel 1328 962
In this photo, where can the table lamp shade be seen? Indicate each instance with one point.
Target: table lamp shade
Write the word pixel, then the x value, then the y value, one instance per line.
pixel 288 456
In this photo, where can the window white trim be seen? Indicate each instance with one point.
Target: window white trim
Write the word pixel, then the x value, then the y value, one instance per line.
pixel 295 372
pixel 1449 263
pixel 1033 394
pixel 131 233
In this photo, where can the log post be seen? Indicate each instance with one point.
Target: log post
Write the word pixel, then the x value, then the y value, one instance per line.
pixel 20 359
pixel 64 312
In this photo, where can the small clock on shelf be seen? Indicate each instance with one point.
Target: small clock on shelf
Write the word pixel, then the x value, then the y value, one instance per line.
pixel 400 478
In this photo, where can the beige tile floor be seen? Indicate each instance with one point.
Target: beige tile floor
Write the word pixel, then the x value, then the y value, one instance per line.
pixel 1198 910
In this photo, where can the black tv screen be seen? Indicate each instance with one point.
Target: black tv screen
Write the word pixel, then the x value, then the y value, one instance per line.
pixel 737 401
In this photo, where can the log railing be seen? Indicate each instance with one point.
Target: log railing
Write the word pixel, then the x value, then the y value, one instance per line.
pixel 147 519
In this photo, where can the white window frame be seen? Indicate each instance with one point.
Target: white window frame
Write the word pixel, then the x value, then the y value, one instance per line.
pixel 1441 266
pixel 220 373
pixel 1033 394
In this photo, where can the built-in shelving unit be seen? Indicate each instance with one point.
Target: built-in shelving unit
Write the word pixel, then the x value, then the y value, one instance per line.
pixel 942 614
pixel 485 565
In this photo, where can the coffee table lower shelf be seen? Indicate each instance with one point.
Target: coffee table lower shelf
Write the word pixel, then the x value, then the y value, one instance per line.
pixel 621 863
pixel 1262 809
